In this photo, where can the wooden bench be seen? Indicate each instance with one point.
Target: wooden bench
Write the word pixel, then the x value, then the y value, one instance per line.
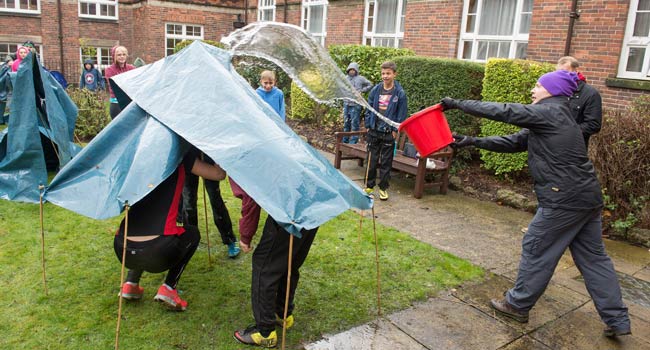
pixel 439 175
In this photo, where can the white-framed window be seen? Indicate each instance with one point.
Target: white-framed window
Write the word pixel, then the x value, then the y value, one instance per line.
pixel 383 23
pixel 103 9
pixel 314 18
pixel 7 48
pixel 24 6
pixel 635 55
pixel 495 28
pixel 176 32
pixel 266 10
pixel 101 56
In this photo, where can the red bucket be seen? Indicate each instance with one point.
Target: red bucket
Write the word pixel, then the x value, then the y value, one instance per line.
pixel 428 130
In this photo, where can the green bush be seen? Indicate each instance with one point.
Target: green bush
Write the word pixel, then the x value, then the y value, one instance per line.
pixel 508 80
pixel 369 58
pixel 183 44
pixel 305 109
pixel 621 155
pixel 427 80
pixel 93 115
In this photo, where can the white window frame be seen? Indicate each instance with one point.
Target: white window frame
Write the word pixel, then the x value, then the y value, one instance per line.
pixel 265 5
pixel 98 4
pixel 98 57
pixel 371 38
pixel 38 47
pixel 306 16
pixel 183 35
pixel 17 8
pixel 474 37
pixel 631 41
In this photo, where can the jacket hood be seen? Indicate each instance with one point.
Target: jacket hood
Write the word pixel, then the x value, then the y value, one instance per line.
pixel 90 62
pixel 353 65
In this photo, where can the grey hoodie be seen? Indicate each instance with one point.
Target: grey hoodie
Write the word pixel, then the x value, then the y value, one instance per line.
pixel 359 82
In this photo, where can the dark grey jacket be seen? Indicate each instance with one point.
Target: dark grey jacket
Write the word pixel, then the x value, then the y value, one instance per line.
pixel 587 108
pixel 557 157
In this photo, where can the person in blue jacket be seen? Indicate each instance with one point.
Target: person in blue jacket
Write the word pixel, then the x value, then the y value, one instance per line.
pixel 569 196
pixel 91 77
pixel 352 110
pixel 271 94
pixel 389 99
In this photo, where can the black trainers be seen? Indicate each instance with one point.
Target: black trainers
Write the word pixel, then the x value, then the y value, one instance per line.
pixel 615 332
pixel 252 336
pixel 502 307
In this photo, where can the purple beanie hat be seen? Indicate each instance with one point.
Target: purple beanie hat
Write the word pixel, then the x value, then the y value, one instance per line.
pixel 559 82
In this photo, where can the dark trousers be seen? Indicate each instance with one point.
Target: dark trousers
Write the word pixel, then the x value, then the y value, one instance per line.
pixel 381 148
pixel 159 254
pixel 270 263
pixel 189 213
pixel 548 236
pixel 114 110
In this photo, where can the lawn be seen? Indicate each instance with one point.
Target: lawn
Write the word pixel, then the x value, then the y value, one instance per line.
pixel 337 289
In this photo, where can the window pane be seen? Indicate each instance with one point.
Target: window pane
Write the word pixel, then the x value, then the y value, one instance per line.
pixel 467 50
pixel 497 17
pixel 11 4
pixel 635 59
pixel 493 49
pixel 24 5
pixel 170 29
pixel 386 16
pixel 528 6
pixel 504 49
pixel 472 7
pixel 644 5
pixel 170 44
pixel 316 19
pixel 399 43
pixel 111 10
pixel 371 16
pixel 482 50
pixel 642 24
pixel 522 48
pixel 524 26
pixel 92 9
pixel 33 4
pixel 471 23
pixel 103 10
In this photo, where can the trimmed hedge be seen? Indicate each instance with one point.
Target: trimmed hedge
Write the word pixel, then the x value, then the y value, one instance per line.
pixel 508 80
pixel 369 59
pixel 427 80
pixel 93 113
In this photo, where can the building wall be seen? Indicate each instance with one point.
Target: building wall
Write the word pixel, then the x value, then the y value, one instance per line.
pixel 432 27
pixel 345 22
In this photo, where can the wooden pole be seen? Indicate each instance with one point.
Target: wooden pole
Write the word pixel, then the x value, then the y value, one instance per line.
pixel 374 230
pixel 286 297
pixel 119 308
pixel 207 230
pixel 40 188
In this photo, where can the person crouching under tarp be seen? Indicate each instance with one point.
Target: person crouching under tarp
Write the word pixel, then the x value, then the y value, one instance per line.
pixel 155 243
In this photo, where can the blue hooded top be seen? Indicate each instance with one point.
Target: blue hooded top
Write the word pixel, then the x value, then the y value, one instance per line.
pixel 91 79
pixel 275 99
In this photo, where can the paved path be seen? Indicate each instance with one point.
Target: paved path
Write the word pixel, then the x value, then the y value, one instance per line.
pixel 489 235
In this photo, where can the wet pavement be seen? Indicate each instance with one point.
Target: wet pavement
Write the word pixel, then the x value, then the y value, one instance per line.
pixel 490 235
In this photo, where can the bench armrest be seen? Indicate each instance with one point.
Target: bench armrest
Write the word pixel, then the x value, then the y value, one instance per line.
pixel 341 134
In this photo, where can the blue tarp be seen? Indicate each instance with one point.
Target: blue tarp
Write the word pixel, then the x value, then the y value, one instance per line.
pixel 39 105
pixel 196 97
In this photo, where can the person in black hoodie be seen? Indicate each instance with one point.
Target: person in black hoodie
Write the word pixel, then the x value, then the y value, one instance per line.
pixel 569 196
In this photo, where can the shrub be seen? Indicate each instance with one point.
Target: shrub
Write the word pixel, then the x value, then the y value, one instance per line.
pixel 508 80
pixel 93 115
pixel 427 80
pixel 305 109
pixel 621 155
pixel 369 58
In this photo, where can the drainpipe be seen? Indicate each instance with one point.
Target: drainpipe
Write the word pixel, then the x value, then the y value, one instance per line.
pixel 246 11
pixel 573 15
pixel 285 10
pixel 58 8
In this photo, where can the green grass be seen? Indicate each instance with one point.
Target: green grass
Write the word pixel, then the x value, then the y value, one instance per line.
pixel 337 289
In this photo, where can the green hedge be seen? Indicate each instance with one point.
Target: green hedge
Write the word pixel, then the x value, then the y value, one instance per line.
pixel 369 59
pixel 508 80
pixel 93 113
pixel 427 80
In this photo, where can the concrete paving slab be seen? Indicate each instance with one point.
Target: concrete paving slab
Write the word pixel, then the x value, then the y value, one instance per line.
pixel 451 324
pixel 525 343
pixel 555 302
pixel 378 335
pixel 643 274
pixel 582 330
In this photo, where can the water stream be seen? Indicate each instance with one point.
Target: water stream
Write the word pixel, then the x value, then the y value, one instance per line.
pixel 301 57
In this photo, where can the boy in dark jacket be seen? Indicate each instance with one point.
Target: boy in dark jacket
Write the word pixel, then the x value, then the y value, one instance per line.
pixel 389 99
pixel 569 196
pixel 91 77
pixel 351 110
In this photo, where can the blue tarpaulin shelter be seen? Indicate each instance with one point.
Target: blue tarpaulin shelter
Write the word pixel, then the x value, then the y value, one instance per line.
pixel 39 106
pixel 196 97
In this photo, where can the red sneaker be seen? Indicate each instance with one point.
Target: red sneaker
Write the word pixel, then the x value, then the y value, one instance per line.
pixel 131 291
pixel 170 298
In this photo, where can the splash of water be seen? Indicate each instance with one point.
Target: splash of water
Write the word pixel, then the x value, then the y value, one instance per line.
pixel 301 57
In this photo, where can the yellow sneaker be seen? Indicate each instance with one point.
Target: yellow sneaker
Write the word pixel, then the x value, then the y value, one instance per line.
pixel 370 192
pixel 280 322
pixel 252 336
pixel 383 194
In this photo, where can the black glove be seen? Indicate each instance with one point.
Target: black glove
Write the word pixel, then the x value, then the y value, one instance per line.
pixel 448 103
pixel 461 141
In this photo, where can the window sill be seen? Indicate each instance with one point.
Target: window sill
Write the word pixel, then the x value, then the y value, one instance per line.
pixel 21 14
pixel 96 19
pixel 633 84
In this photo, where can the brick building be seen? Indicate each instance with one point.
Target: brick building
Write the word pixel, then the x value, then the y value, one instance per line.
pixel 610 37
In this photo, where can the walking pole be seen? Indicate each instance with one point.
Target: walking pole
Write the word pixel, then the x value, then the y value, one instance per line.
pixel 207 230
pixel 286 297
pixel 119 309
pixel 40 188
pixel 374 230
